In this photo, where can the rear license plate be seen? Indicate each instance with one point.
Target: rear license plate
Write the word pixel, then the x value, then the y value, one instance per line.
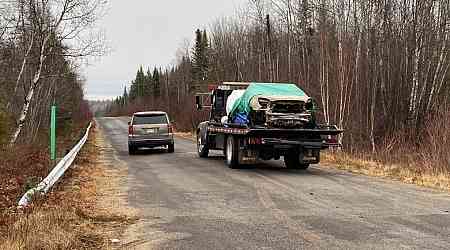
pixel 150 131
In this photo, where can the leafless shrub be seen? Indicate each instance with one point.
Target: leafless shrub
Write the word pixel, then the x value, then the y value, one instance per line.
pixel 435 149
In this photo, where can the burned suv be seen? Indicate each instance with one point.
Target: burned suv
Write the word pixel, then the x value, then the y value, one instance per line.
pixel 282 111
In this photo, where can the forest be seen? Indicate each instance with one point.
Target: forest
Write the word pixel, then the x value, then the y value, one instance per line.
pixel 378 69
pixel 43 44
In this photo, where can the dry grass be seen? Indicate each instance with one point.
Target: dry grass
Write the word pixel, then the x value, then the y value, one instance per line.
pixel 58 228
pixel 186 135
pixel 423 160
pixel 21 168
pixel 410 174
pixel 69 217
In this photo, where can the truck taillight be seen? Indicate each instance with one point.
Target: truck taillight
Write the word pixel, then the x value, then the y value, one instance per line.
pixel 254 141
pixel 170 129
pixel 331 140
pixel 130 129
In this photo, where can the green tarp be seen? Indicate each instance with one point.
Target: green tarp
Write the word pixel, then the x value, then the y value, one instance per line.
pixel 242 105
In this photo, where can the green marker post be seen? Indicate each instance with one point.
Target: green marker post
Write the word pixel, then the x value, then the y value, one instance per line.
pixel 53 134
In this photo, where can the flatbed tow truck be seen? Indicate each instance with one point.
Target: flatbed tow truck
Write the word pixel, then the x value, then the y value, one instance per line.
pixel 292 133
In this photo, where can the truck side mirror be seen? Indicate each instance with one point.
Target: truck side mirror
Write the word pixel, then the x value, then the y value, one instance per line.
pixel 198 102
pixel 311 105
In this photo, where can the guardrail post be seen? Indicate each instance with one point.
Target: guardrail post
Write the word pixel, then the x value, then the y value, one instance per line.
pixel 53 134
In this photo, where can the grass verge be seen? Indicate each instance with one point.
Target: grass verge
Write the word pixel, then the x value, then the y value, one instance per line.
pixel 70 216
pixel 405 173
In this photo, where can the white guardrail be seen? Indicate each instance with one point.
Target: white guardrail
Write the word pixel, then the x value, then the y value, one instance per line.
pixel 56 173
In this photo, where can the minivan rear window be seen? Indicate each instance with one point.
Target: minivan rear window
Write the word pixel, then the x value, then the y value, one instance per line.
pixel 149 119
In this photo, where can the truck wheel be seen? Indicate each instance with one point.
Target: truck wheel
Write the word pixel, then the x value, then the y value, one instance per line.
pixel 131 149
pixel 232 152
pixel 292 161
pixel 202 146
pixel 303 166
pixel 171 148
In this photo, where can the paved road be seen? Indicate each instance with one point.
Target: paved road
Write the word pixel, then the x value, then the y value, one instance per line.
pixel 192 203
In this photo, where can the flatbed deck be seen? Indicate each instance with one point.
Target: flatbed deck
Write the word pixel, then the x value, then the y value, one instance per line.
pixel 244 130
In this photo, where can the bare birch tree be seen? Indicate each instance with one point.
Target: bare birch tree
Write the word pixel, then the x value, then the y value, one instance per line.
pixel 50 24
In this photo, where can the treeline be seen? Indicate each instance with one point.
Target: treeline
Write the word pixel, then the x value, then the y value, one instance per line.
pixel 171 89
pixel 41 47
pixel 379 69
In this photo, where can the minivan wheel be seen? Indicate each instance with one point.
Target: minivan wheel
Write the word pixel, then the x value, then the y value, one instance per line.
pixel 171 148
pixel 202 146
pixel 232 152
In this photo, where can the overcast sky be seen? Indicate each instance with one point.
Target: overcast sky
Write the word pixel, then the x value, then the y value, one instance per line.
pixel 148 33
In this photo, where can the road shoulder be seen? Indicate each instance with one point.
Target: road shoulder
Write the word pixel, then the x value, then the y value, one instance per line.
pixel 86 210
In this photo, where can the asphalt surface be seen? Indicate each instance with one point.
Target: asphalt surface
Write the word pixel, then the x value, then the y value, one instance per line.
pixel 192 203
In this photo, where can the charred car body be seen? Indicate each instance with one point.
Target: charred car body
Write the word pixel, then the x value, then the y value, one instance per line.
pixel 282 112
pixel 263 121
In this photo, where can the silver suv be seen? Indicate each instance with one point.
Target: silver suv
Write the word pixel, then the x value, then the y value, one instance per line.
pixel 150 129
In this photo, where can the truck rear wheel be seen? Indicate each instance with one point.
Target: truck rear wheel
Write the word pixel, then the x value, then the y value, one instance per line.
pixel 292 161
pixel 232 152
pixel 131 149
pixel 202 145
pixel 171 148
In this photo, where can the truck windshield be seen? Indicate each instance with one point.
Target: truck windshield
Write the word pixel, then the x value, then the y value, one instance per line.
pixel 150 119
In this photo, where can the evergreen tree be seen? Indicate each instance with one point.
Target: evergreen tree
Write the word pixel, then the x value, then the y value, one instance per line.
pixel 133 91
pixel 205 58
pixel 140 81
pixel 137 85
pixel 148 86
pixel 200 59
pixel 125 96
pixel 156 83
pixel 196 56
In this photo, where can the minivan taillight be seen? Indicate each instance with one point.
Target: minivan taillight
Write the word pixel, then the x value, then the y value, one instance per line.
pixel 130 130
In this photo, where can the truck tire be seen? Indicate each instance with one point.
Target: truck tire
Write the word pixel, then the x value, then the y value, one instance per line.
pixel 171 148
pixel 202 145
pixel 131 149
pixel 232 152
pixel 292 161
